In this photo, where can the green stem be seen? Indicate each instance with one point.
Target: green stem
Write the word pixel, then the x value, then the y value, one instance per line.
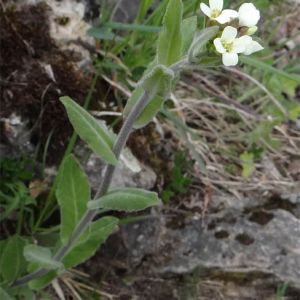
pixel 90 214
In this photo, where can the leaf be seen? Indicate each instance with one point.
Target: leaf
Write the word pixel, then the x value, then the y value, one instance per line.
pixel 73 194
pixel 125 200
pixel 24 293
pixel 98 138
pixel 199 43
pixel 265 67
pixel 133 27
pixel 158 82
pixel 43 257
pixel 248 166
pixel 12 260
pixel 189 27
pixel 294 112
pixel 170 40
pixel 101 34
pixel 100 230
pixel 4 295
pixel 2 247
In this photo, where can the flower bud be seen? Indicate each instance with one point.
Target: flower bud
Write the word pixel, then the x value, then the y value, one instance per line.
pixel 251 30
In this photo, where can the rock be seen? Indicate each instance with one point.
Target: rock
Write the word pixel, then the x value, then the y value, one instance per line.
pixel 131 174
pixel 256 239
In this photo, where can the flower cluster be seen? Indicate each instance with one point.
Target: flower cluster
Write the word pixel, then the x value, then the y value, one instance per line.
pixel 239 25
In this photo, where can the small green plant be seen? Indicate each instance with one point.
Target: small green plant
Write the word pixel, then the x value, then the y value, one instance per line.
pixel 281 291
pixel 178 181
pixel 180 46
pixel 13 170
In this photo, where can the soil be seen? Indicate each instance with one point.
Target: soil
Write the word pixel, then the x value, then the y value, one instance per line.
pixel 27 89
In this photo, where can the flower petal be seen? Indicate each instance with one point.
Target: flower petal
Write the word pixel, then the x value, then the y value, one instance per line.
pixel 216 4
pixel 256 47
pixel 228 34
pixel 219 46
pixel 247 41
pixel 205 9
pixel 246 7
pixel 238 46
pixel 231 13
pixel 222 18
pixel 248 15
pixel 230 59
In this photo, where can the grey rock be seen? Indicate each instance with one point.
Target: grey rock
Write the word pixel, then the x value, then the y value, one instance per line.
pixel 131 174
pixel 249 237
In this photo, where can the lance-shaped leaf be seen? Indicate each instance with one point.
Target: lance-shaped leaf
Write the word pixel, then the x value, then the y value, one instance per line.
pixel 43 257
pixel 158 82
pixel 189 27
pixel 150 110
pixel 73 193
pixel 98 138
pixel 170 40
pixel 100 230
pixel 12 259
pixel 199 43
pixel 125 200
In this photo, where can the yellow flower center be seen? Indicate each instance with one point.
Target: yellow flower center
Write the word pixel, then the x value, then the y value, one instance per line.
pixel 228 46
pixel 215 13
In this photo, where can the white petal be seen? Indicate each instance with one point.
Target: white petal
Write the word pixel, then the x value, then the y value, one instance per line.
pixel 229 34
pixel 230 59
pixel 247 41
pixel 248 15
pixel 246 7
pixel 256 47
pixel 216 4
pixel 222 18
pixel 219 46
pixel 231 13
pixel 206 10
pixel 238 46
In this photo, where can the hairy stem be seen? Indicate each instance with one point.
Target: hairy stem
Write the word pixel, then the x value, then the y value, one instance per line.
pixel 90 214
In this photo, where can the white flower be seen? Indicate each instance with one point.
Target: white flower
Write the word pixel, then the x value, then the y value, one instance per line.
pixel 250 45
pixel 229 46
pixel 214 11
pixel 248 15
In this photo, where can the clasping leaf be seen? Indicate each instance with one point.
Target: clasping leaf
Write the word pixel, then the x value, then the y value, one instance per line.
pixel 98 138
pixel 200 41
pixel 125 200
pixel 170 40
pixel 73 193
pixel 43 257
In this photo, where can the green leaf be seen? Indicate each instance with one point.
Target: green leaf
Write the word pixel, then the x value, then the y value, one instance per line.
pixel 150 110
pixel 4 295
pixel 73 194
pixel 189 27
pixel 103 35
pixel 125 200
pixel 265 67
pixel 199 43
pixel 133 27
pixel 248 166
pixel 98 138
pixel 43 257
pixel 294 112
pixel 12 260
pixel 24 293
pixel 158 82
pixel 170 40
pixel 100 230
